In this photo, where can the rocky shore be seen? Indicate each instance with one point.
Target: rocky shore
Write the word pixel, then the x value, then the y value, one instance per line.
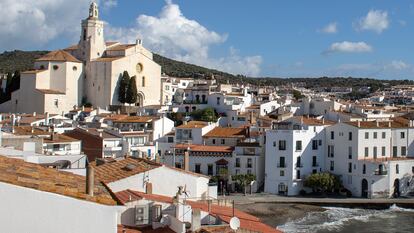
pixel 276 214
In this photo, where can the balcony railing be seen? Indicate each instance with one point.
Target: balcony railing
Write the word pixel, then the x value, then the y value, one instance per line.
pixel 299 165
pixel 281 165
pixel 381 172
pixel 315 164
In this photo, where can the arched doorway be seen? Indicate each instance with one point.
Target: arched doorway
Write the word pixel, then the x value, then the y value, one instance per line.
pixel 397 192
pixel 364 188
pixel 140 100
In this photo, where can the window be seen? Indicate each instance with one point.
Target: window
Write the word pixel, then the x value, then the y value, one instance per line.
pixel 84 34
pixel 282 173
pixel 274 144
pixel 350 167
pixel 397 169
pixel 214 141
pixel 350 152
pixel 320 142
pixel 402 134
pixel 331 151
pixel 249 171
pixel 394 151
pixel 366 152
pixel 331 167
pixel 55 67
pixel 366 135
pixel 375 152
pixel 375 135
pixel 298 145
pixel 298 162
pixel 249 163
pixel 314 144
pixel 178 165
pixel 237 162
pixel 143 81
pixel 364 169
pixel 56 102
pixel 314 171
pixel 210 169
pixel 139 67
pixel 383 134
pixel 74 68
pixel 403 151
pixel 218 100
pixel 314 161
pixel 332 135
pixel 383 151
pixel 298 174
pixel 198 168
pixel 281 162
pixel 350 136
pixel 223 141
pixel 282 145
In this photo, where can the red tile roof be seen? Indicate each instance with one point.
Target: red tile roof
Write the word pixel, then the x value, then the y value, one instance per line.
pixel 248 222
pixel 220 132
pixel 59 55
pixel 34 176
pixel 148 229
pixel 193 124
pixel 117 170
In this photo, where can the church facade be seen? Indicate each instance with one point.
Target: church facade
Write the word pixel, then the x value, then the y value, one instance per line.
pixel 87 72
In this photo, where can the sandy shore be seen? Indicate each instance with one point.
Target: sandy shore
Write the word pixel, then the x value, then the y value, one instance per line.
pixel 275 214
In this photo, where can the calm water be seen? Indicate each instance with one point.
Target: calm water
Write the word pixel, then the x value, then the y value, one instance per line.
pixel 334 219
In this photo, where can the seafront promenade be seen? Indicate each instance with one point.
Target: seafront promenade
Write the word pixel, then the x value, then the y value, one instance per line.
pixel 240 199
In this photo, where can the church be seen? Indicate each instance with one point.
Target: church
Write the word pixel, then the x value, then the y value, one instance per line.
pixel 88 72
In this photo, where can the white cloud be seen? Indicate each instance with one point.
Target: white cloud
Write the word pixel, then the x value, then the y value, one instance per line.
pixel 397 65
pixel 109 3
pixel 174 35
pixel 28 24
pixel 375 20
pixel 331 28
pixel 349 47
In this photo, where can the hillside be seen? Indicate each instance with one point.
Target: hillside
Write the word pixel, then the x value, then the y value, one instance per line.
pixel 23 60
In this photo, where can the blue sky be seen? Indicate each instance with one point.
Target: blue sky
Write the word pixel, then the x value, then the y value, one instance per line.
pixel 267 38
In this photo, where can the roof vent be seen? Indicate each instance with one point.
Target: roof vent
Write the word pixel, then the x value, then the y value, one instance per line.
pixel 130 167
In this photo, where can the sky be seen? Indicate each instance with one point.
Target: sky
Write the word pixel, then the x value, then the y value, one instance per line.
pixel 261 38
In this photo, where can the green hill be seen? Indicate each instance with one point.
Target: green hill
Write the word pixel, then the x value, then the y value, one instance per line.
pixel 23 60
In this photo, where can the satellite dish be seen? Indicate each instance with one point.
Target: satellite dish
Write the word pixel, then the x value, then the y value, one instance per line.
pixel 234 223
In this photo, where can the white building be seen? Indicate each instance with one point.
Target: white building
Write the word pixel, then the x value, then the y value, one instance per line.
pixel 295 148
pixel 90 70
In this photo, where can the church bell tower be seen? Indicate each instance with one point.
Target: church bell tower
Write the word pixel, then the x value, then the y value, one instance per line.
pixel 92 42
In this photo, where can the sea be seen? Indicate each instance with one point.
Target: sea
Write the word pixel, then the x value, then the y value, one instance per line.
pixel 335 219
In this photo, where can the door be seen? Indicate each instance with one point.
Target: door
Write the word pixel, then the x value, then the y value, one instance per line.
pixel 364 188
pixel 397 192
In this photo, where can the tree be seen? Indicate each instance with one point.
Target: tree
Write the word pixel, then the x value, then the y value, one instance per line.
pixel 244 180
pixel 209 115
pixel 297 94
pixel 131 94
pixel 9 82
pixel 15 85
pixel 123 86
pixel 324 182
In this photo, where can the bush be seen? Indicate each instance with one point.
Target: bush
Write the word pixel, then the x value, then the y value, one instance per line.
pixel 302 192
pixel 322 182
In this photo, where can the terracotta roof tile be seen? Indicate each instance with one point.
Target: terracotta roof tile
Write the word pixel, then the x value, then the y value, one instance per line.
pixel 59 55
pixel 193 124
pixel 50 91
pixel 30 175
pixel 116 170
pixel 60 138
pixel 221 132
pixel 148 229
pixel 108 59
pixel 121 47
pixel 136 119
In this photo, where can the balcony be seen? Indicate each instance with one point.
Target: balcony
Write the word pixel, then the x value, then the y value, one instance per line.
pixel 299 165
pixel 315 164
pixel 380 172
pixel 281 165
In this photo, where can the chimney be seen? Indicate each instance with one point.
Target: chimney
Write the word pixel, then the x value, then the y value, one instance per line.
pixel 148 188
pixel 185 122
pixel 359 124
pixel 34 114
pixel 83 108
pixel 54 136
pixel 90 173
pixel 389 124
pixel 47 119
pixel 377 122
pixel 187 159
pixel 195 220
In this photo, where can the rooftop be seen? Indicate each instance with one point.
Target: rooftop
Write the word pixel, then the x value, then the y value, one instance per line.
pixel 115 170
pixel 136 119
pixel 34 176
pixel 193 124
pixel 204 148
pixel 59 55
pixel 377 124
pixel 312 121
pixel 221 132
pixel 60 138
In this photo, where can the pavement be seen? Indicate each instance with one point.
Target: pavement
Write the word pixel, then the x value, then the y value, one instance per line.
pixel 340 201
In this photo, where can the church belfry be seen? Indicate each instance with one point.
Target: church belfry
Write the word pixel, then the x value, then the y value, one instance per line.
pixel 92 42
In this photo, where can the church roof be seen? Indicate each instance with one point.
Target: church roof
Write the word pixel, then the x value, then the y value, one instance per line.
pixel 121 47
pixel 59 55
